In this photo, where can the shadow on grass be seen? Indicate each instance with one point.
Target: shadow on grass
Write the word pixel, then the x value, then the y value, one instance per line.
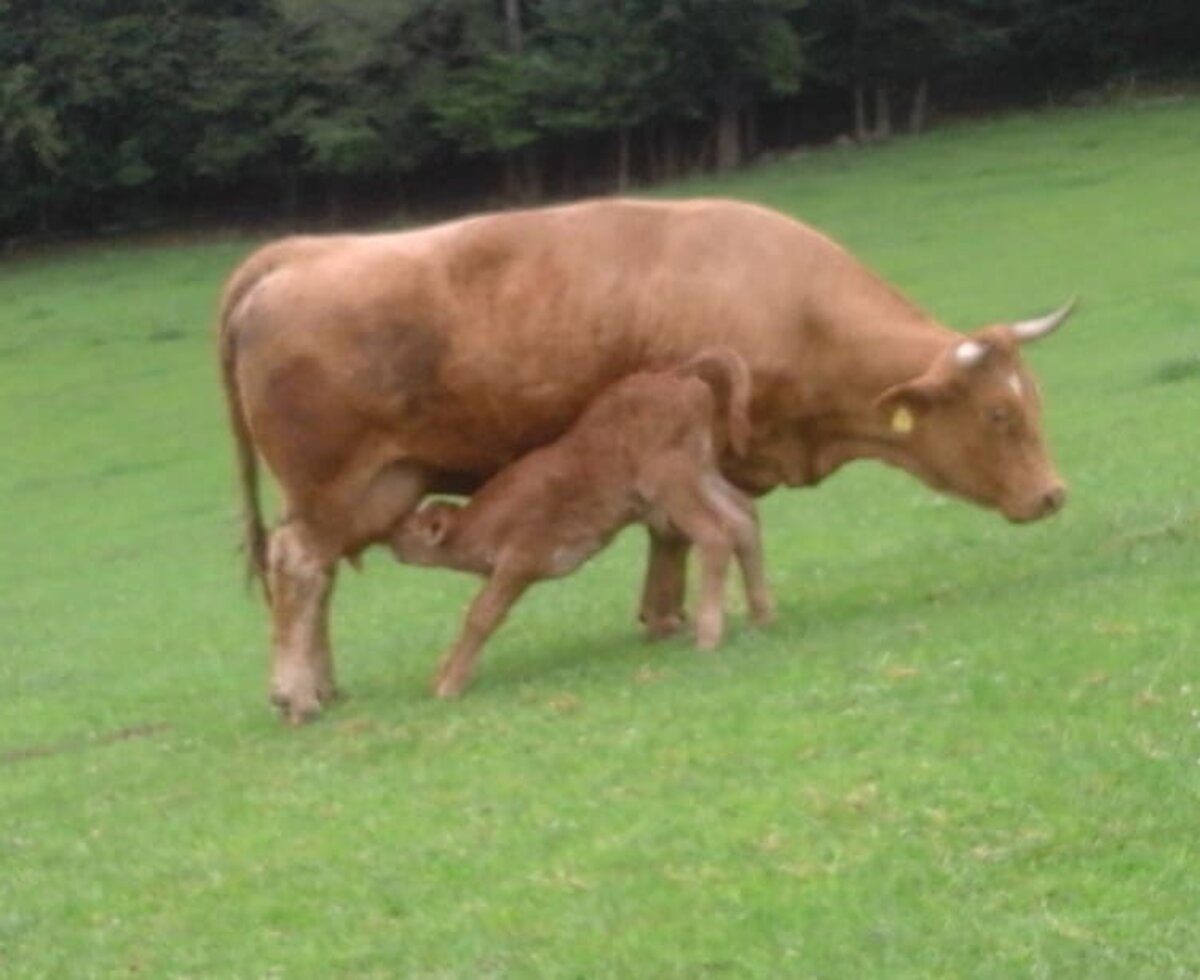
pixel 81 743
pixel 1179 369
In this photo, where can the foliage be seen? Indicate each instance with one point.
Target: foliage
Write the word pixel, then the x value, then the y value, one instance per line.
pixel 964 750
pixel 598 67
pixel 31 141
pixel 131 111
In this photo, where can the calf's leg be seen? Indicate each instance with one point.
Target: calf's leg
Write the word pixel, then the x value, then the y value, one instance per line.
pixel 686 506
pixel 715 549
pixel 747 542
pixel 662 607
pixel 484 615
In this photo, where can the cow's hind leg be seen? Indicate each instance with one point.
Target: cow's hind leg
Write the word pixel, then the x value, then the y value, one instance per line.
pixel 301 576
pixel 302 572
pixel 662 608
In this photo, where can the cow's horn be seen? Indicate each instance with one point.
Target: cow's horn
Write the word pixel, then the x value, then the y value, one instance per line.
pixel 1035 329
pixel 969 353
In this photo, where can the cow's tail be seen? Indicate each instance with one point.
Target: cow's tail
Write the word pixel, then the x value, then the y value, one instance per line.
pixel 254 532
pixel 726 373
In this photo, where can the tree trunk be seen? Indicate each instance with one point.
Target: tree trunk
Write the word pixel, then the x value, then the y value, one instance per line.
pixel 568 172
pixel 729 137
pixel 512 25
pixel 623 158
pixel 335 205
pixel 750 132
pixel 533 182
pixel 290 181
pixel 883 114
pixel 920 108
pixel 861 133
pixel 858 46
pixel 653 168
pixel 511 179
pixel 671 154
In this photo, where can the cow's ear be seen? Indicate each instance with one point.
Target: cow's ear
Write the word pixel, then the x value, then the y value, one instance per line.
pixel 903 407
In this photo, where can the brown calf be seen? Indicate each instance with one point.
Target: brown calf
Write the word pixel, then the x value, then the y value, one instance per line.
pixel 642 451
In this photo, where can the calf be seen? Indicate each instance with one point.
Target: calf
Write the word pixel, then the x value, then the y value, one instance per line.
pixel 644 450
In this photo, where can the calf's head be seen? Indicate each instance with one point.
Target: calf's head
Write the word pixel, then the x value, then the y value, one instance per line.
pixel 971 424
pixel 424 537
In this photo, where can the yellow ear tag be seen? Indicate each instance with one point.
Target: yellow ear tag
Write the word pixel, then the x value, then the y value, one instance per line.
pixel 902 421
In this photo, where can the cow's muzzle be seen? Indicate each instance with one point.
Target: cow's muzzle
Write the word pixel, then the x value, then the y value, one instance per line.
pixel 1049 502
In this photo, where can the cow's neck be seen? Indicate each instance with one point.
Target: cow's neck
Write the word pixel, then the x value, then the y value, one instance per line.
pixel 839 420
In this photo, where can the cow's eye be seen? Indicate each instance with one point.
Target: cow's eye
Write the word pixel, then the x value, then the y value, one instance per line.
pixel 1000 416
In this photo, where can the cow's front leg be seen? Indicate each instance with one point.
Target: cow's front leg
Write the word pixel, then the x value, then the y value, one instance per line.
pixel 301 579
pixel 662 610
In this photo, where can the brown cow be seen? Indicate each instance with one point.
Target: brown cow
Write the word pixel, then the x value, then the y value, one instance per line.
pixel 642 451
pixel 370 370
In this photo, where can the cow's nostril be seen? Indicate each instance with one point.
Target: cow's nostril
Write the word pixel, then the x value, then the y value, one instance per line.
pixel 1054 499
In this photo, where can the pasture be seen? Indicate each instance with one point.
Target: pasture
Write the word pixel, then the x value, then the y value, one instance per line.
pixel 965 749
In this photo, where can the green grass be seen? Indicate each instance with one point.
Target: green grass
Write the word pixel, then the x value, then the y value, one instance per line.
pixel 965 749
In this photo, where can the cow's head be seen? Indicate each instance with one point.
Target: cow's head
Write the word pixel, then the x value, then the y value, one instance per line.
pixel 423 538
pixel 971 424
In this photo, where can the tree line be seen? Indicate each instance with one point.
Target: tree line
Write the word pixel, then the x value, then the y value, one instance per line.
pixel 140 111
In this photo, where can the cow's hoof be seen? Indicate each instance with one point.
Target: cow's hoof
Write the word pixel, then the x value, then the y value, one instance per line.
pixel 328 694
pixel 296 709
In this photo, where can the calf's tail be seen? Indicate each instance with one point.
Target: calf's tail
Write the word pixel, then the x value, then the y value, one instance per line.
pixel 726 373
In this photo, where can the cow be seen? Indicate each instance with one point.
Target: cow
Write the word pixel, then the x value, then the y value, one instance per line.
pixel 645 450
pixel 368 371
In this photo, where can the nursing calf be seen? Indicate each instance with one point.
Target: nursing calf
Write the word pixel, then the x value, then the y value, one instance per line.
pixel 643 451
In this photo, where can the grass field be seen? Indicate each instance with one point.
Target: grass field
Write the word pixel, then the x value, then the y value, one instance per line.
pixel 965 749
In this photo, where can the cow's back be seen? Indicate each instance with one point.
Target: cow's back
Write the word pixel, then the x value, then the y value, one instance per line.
pixel 460 346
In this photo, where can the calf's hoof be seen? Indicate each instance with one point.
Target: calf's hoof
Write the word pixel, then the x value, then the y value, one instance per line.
pixel 449 683
pixel 763 613
pixel 659 626
pixel 708 632
pixel 448 688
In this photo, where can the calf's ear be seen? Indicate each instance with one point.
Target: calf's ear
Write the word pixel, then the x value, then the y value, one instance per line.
pixel 434 522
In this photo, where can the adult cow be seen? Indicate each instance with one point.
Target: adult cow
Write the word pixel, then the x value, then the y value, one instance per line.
pixel 370 370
